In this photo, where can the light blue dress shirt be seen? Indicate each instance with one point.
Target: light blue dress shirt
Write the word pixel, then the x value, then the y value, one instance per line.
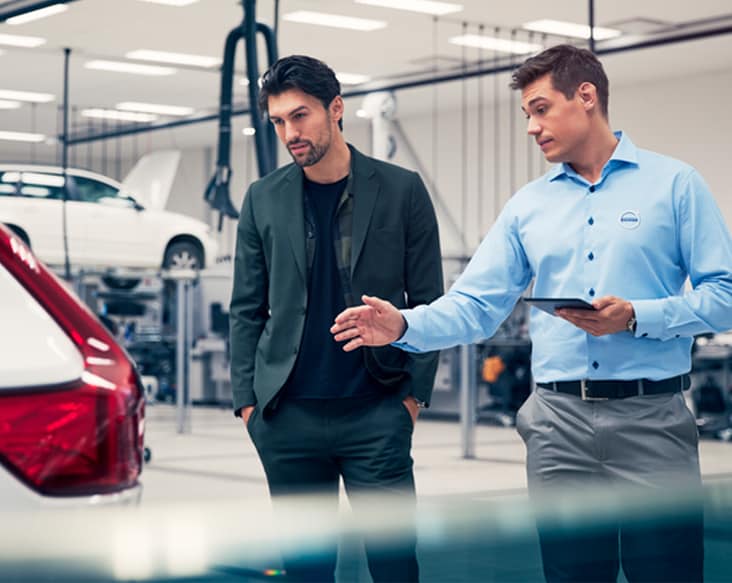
pixel 645 227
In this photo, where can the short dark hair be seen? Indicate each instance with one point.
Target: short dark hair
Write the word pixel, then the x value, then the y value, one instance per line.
pixel 569 67
pixel 301 72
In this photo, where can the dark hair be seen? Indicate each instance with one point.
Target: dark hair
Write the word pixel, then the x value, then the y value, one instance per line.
pixel 569 67
pixel 307 74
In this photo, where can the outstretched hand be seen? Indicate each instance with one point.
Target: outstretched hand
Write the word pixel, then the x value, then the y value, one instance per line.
pixel 376 323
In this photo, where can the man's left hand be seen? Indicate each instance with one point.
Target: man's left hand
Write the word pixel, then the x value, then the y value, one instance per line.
pixel 610 316
pixel 412 406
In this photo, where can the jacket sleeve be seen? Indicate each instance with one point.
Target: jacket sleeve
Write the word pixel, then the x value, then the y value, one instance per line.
pixel 248 311
pixel 423 280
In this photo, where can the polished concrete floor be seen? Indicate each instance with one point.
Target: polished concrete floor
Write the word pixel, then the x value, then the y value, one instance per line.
pixel 216 461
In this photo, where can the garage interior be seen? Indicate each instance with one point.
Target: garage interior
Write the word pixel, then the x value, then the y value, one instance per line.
pixel 98 85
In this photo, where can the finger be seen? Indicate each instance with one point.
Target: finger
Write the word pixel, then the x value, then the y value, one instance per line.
pixel 347 334
pixel 351 314
pixel 353 344
pixel 377 303
pixel 604 302
pixel 336 328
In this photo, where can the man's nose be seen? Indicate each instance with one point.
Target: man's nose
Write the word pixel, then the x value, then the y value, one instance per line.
pixel 291 133
pixel 533 127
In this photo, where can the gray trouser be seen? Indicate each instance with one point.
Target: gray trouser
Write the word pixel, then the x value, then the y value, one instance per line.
pixel 647 444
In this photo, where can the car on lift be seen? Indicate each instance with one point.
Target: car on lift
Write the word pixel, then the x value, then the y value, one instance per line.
pixel 71 400
pixel 106 226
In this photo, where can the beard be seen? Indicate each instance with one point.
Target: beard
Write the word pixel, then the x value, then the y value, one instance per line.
pixel 314 154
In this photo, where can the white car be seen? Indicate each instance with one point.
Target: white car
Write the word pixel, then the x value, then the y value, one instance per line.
pixel 71 401
pixel 109 225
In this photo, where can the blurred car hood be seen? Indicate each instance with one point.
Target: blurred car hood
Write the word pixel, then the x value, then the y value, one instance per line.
pixel 151 179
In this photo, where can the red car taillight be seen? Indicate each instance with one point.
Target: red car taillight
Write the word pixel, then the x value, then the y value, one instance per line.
pixel 79 438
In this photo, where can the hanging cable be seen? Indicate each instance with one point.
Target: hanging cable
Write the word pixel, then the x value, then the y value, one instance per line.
pixel 529 141
pixel 464 145
pixel 33 130
pixel 117 155
pixel 479 200
pixel 435 96
pixel 512 128
pixel 496 134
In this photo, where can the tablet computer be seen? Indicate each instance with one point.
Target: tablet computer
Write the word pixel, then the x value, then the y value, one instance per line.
pixel 551 304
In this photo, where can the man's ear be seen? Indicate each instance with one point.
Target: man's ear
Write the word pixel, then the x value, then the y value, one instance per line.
pixel 587 93
pixel 337 108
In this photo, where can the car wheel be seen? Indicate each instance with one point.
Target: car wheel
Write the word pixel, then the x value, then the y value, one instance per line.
pixel 183 255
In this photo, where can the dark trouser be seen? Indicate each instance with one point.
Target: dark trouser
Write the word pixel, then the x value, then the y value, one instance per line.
pixel 623 449
pixel 306 445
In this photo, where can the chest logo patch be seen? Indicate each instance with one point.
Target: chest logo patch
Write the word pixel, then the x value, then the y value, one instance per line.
pixel 629 220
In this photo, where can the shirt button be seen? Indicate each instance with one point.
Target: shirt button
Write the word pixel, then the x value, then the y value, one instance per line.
pixel 595 364
pixel 592 188
pixel 592 292
pixel 294 350
pixel 591 221
pixel 644 334
pixel 591 256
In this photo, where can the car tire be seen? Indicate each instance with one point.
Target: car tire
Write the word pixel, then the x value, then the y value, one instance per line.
pixel 183 255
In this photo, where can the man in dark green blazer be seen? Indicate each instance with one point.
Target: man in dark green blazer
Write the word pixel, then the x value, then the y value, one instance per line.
pixel 313 237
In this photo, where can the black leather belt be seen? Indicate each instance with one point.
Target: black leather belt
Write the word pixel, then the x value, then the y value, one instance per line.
pixel 590 390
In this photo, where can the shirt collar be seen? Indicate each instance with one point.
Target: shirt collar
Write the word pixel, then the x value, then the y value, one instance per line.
pixel 625 153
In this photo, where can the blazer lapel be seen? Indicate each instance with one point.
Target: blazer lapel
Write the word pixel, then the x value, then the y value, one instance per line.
pixel 290 214
pixel 365 193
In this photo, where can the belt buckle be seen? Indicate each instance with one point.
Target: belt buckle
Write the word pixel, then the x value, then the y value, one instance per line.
pixel 585 396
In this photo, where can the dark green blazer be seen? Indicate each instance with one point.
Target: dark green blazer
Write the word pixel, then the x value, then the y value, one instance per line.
pixel 395 255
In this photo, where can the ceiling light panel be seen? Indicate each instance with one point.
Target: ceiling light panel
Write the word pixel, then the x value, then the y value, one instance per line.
pixel 423 6
pixel 5 104
pixel 115 115
pixel 352 78
pixel 37 14
pixel 132 68
pixel 30 96
pixel 334 20
pixel 177 3
pixel 156 108
pixel 500 45
pixel 15 40
pixel 21 137
pixel 174 58
pixel 570 29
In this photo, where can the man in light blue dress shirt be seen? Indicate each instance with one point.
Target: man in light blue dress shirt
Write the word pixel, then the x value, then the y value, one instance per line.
pixel 624 229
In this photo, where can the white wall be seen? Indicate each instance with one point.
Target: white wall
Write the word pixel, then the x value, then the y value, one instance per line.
pixel 686 119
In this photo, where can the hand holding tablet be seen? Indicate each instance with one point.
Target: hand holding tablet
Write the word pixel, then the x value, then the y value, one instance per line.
pixel 549 305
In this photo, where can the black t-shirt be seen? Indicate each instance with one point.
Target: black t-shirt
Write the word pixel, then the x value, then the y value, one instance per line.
pixel 323 370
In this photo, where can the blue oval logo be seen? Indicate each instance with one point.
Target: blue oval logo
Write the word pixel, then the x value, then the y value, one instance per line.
pixel 630 220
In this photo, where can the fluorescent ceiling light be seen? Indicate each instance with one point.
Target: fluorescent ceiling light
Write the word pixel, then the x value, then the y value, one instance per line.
pixel 37 14
pixel 249 131
pixel 334 20
pixel 5 104
pixel 490 43
pixel 424 6
pixel 352 78
pixel 172 2
pixel 119 115
pixel 571 29
pixel 362 113
pixel 21 137
pixel 135 69
pixel 16 40
pixel 155 108
pixel 174 58
pixel 26 96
